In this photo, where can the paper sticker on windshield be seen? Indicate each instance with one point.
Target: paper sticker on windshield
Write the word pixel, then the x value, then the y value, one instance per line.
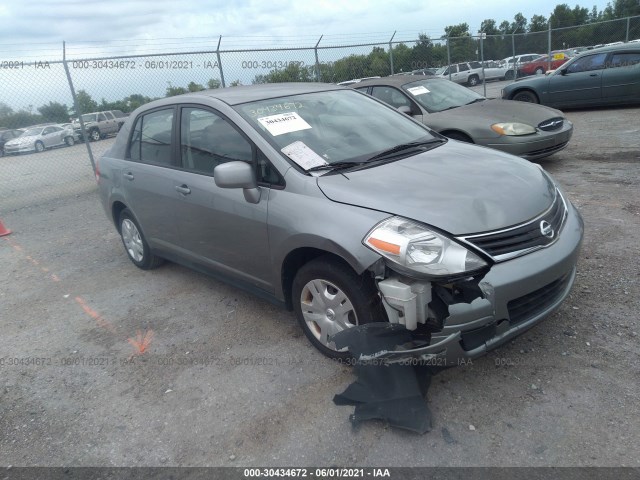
pixel 303 155
pixel 415 91
pixel 284 123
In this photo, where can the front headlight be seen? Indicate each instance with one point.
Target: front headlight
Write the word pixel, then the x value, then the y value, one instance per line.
pixel 414 248
pixel 513 128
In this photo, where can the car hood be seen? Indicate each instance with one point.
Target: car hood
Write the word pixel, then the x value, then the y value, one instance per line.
pixel 458 188
pixel 497 110
pixel 22 139
pixel 536 82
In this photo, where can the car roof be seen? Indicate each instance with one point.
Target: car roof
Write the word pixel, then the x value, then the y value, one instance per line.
pixel 397 81
pixel 612 48
pixel 252 93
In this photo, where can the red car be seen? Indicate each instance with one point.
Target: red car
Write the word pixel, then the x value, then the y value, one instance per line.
pixel 540 65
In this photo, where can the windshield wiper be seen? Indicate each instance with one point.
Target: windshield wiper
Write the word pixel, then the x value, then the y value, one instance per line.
pixel 334 166
pixel 393 151
pixel 476 101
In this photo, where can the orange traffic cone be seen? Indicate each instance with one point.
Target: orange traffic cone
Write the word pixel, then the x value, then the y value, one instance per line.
pixel 4 230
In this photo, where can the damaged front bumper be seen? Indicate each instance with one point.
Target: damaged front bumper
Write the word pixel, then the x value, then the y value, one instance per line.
pixel 465 319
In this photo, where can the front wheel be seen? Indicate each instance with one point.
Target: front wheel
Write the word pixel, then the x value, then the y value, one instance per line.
pixel 135 244
pixel 39 146
pixel 526 96
pixel 94 135
pixel 69 141
pixel 539 71
pixel 508 75
pixel 328 297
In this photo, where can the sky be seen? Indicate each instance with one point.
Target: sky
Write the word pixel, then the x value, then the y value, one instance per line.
pixel 93 27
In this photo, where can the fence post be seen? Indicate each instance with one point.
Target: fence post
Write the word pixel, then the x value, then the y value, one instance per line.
pixel 76 107
pixel 627 36
pixel 220 62
pixel 391 52
pixel 549 45
pixel 484 80
pixel 448 57
pixel 513 52
pixel 318 77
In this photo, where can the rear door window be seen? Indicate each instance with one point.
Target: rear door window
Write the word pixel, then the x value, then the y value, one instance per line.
pixel 151 138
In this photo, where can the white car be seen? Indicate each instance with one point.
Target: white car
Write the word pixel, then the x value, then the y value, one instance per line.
pixel 39 138
pixel 519 60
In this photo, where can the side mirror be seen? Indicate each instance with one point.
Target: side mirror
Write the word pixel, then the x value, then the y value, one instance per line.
pixel 405 109
pixel 563 71
pixel 238 175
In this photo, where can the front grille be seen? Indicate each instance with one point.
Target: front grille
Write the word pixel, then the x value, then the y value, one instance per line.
pixel 551 124
pixel 521 239
pixel 531 304
pixel 547 150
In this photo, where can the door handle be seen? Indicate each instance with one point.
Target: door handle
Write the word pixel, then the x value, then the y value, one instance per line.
pixel 593 74
pixel 128 175
pixel 183 189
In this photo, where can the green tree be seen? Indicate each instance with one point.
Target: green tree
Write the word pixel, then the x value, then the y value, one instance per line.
pixel 173 91
pixel 54 112
pixel 86 104
pixel 195 87
pixel 213 83
pixel 5 110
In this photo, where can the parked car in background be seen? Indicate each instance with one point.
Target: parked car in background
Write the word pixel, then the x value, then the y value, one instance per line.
pixel 540 65
pixel 6 135
pixel 495 70
pixel 74 134
pixel 347 212
pixel 462 114
pixel 603 76
pixel 513 63
pixel 98 125
pixel 38 138
pixel 465 73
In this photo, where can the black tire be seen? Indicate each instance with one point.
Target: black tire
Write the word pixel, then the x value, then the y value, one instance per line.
pixel 508 75
pixel 39 146
pixel 458 136
pixel 327 276
pixel 525 96
pixel 94 135
pixel 134 243
pixel 70 141
pixel 539 71
pixel 1 152
pixel 473 80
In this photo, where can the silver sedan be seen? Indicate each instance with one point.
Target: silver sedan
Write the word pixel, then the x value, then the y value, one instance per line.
pixel 529 131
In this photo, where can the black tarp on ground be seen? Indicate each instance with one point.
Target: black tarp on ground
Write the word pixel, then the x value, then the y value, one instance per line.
pixel 392 392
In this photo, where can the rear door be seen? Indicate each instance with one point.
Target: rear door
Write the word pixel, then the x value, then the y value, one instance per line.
pixel 582 82
pixel 621 79
pixel 219 229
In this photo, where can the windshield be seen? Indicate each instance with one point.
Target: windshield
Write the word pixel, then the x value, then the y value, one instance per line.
pixel 436 95
pixel 333 126
pixel 89 117
pixel 31 132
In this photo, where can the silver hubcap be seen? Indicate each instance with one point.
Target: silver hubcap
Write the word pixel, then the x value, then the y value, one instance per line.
pixel 326 310
pixel 132 240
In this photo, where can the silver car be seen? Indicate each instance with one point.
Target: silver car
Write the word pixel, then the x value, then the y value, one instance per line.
pixel 530 131
pixel 39 138
pixel 340 208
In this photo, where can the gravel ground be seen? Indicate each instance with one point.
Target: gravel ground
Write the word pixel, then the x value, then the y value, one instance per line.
pixel 120 367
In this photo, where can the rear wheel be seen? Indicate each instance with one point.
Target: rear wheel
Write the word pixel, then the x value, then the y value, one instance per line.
pixel 39 146
pixel 539 71
pixel 328 297
pixel 508 75
pixel 473 80
pixel 526 96
pixel 135 244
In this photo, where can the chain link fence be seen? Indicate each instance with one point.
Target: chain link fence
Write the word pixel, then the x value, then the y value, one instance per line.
pixel 44 96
